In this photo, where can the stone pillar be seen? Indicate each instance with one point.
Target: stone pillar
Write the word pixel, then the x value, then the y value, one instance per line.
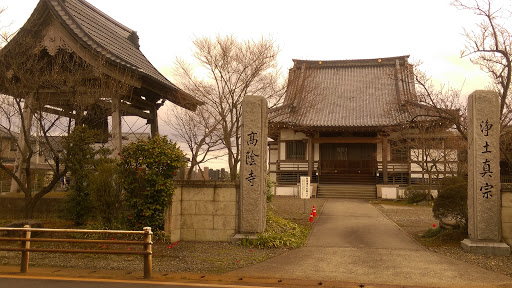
pixel 253 204
pixel 484 193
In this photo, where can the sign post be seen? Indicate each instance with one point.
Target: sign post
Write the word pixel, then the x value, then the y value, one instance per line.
pixel 305 192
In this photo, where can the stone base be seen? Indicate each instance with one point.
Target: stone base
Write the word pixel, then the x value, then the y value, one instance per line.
pixel 486 248
pixel 239 237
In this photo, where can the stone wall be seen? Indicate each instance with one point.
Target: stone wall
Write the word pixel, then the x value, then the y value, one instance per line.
pixel 203 211
pixel 13 207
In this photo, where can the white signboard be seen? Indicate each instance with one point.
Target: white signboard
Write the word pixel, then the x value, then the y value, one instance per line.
pixel 305 192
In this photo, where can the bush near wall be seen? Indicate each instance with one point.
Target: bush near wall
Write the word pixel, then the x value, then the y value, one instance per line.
pixel 451 201
pixel 147 171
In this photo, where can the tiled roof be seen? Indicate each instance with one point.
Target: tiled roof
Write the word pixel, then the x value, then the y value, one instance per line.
pixel 346 93
pixel 118 43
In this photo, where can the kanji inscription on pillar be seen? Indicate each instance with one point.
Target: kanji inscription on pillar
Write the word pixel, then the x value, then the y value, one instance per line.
pixel 253 165
pixel 484 195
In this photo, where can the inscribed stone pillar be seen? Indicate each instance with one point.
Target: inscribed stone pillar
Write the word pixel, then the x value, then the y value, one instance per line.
pixel 253 172
pixel 484 193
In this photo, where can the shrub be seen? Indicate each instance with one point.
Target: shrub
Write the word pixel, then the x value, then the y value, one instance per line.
pixel 279 233
pixel 148 168
pixel 451 201
pixel 270 189
pixel 107 194
pixel 416 194
pixel 80 162
pixel 442 235
pixel 431 233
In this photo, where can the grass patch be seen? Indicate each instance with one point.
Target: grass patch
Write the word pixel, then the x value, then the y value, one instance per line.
pixel 279 233
pixel 441 236
pixel 431 233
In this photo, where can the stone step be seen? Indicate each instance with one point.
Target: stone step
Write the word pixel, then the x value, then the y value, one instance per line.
pixel 347 191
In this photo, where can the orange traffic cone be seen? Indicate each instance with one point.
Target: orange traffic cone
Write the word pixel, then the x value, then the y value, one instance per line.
pixel 311 217
pixel 314 212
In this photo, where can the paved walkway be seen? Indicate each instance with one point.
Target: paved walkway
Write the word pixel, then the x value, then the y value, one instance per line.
pixel 352 242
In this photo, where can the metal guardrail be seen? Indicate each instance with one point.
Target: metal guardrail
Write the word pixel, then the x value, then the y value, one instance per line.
pixel 26 239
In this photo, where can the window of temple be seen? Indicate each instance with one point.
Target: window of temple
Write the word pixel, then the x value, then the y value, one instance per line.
pixel 399 151
pixel 296 150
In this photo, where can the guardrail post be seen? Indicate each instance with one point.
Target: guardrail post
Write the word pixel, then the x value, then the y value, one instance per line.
pixel 148 249
pixel 25 254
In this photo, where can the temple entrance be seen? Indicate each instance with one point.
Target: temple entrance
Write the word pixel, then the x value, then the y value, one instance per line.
pixel 348 163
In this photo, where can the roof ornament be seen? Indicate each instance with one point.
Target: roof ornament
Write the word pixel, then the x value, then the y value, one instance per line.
pixel 134 39
pixel 52 42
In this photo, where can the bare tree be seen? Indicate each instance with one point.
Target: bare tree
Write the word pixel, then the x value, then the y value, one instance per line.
pixel 425 134
pixel 5 33
pixel 199 131
pixel 489 46
pixel 228 70
pixel 435 102
pixel 428 147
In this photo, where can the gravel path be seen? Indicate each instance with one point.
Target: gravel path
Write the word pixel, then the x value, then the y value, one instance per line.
pixel 415 220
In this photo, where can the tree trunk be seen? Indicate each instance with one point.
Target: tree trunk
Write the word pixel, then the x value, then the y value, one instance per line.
pixel 29 206
pixel 193 164
pixel 231 163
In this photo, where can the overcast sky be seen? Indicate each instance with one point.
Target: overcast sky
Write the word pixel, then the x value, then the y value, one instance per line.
pixel 428 30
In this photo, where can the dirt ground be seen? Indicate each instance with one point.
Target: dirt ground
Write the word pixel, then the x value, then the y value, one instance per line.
pixel 202 258
pixel 415 220
pixel 178 257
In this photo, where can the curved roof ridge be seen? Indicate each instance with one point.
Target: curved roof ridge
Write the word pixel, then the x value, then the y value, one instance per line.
pixel 78 26
pixel 370 61
pixel 101 13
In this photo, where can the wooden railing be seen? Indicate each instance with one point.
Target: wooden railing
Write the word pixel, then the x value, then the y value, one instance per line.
pixel 26 240
pixel 295 165
pixel 394 167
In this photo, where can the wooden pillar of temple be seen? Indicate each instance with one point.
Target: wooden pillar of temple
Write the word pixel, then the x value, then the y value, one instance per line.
pixel 116 127
pixel 154 121
pixel 310 157
pixel 385 146
pixel 23 144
